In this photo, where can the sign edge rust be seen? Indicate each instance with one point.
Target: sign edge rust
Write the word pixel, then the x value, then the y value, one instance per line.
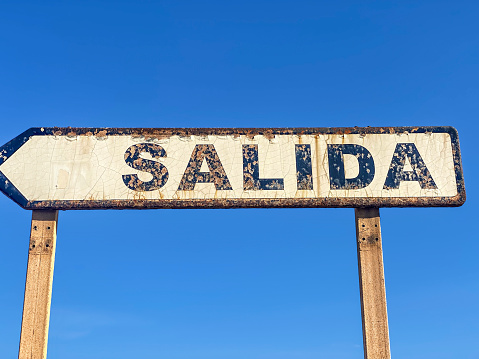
pixel 151 133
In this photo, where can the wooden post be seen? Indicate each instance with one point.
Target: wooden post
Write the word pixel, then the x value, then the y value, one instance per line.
pixel 371 283
pixel 38 286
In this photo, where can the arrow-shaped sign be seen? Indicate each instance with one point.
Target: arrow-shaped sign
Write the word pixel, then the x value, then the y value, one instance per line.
pixel 86 168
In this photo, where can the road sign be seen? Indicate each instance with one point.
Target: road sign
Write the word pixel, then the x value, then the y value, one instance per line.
pixel 48 169
pixel 87 168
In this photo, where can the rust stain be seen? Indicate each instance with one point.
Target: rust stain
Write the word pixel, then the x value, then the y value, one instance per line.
pixel 269 133
pixel 139 202
pixel 101 134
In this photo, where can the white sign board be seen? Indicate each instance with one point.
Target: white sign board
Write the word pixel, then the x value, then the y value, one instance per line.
pixel 81 168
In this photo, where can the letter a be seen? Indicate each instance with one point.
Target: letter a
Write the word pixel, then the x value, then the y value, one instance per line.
pixel 419 173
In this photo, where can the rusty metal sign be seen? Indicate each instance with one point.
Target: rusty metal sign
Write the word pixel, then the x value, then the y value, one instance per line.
pixel 100 168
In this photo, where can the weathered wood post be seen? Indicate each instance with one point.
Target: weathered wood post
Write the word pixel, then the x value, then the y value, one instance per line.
pixel 371 284
pixel 38 286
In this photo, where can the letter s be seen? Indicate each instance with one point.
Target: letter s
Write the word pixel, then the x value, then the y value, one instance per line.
pixel 159 171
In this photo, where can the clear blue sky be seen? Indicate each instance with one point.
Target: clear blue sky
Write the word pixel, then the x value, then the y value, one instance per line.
pixel 243 284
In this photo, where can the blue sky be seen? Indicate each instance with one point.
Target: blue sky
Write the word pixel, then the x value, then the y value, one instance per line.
pixel 259 283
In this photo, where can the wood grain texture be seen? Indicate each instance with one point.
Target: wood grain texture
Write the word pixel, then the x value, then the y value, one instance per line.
pixel 38 286
pixel 372 287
